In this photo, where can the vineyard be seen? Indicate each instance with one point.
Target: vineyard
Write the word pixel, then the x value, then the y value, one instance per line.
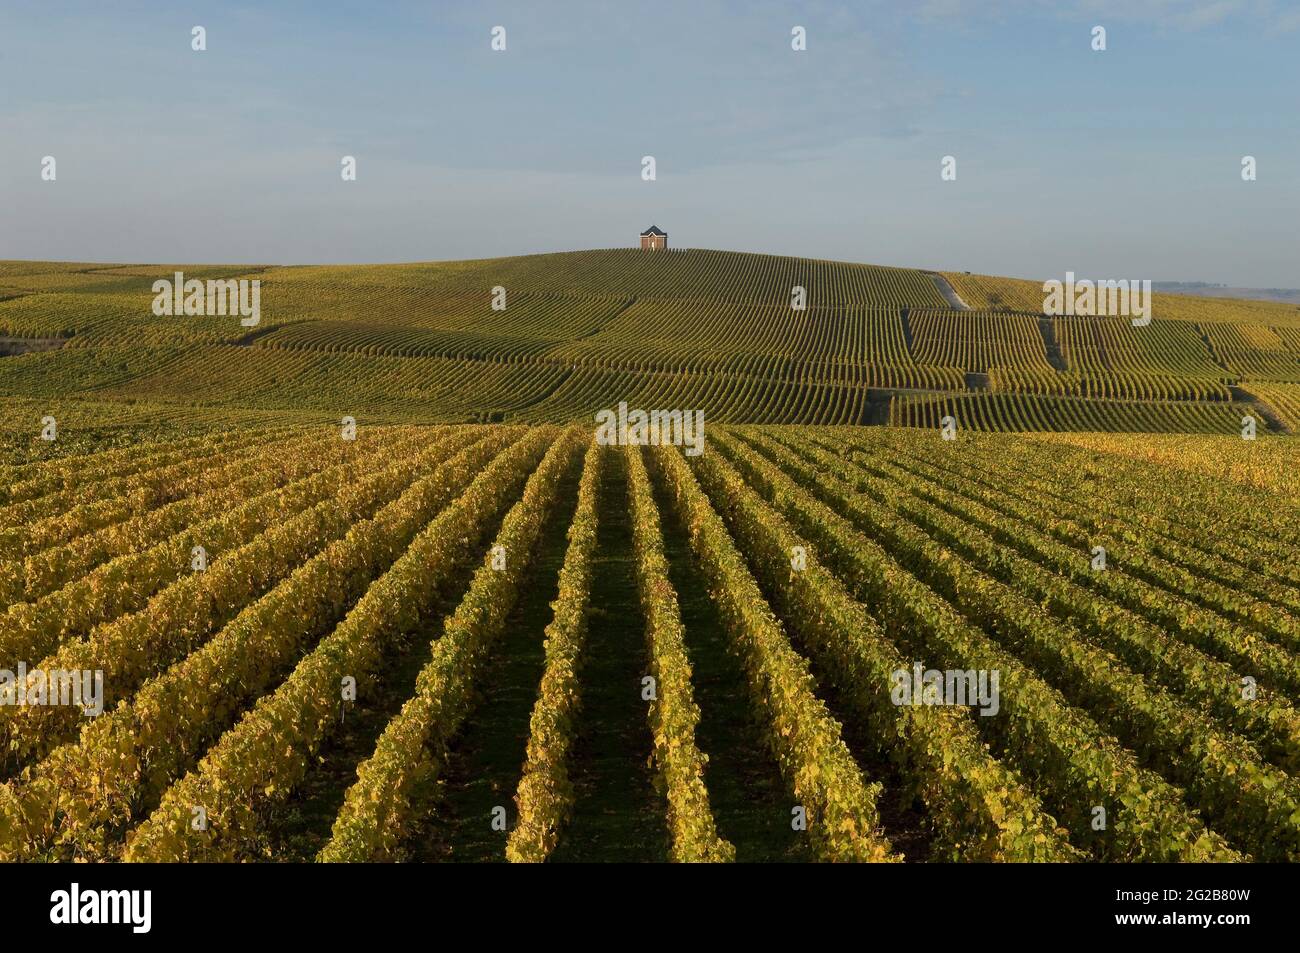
pixel 508 642
pixel 357 583
pixel 555 338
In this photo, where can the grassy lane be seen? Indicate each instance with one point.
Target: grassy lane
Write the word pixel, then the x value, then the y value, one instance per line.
pixel 617 814
pixel 483 768
pixel 301 827
pixel 749 800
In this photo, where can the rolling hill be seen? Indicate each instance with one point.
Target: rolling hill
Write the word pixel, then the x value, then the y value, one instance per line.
pixel 683 329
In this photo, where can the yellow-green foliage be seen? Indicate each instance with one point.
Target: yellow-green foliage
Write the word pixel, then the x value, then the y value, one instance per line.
pixel 833 558
pixel 580 331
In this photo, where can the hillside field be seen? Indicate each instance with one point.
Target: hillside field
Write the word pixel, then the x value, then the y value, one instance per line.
pixel 461 629
pixel 580 331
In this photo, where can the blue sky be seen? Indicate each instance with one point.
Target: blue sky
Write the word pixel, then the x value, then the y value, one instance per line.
pixel 1124 163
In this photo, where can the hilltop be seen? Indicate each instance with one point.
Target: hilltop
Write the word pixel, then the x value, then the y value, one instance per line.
pixel 575 332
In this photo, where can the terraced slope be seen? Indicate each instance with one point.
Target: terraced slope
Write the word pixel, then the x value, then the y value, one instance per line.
pixel 555 338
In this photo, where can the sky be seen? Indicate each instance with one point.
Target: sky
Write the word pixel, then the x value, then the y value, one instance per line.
pixel 1122 163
